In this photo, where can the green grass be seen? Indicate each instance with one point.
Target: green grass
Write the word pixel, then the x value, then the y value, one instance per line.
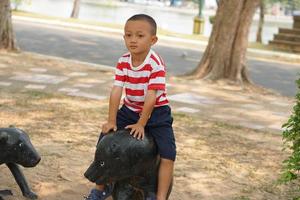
pixel 69 20
pixel 38 94
pixel 109 25
pixel 256 45
pixel 164 32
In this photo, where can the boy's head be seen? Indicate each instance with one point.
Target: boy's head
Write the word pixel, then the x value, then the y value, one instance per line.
pixel 140 34
pixel 146 18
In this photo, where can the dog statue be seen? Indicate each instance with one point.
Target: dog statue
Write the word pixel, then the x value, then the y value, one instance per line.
pixel 131 164
pixel 16 149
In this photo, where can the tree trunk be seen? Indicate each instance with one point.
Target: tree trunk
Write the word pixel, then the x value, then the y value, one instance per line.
pixel 7 37
pixel 261 21
pixel 75 11
pixel 225 54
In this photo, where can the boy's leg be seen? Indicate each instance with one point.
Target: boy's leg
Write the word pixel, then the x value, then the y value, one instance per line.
pixel 126 117
pixel 100 192
pixel 160 127
pixel 165 176
pixel 99 187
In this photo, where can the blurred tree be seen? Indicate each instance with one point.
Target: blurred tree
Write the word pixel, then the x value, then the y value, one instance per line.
pixel 7 36
pixel 261 21
pixel 291 5
pixel 225 54
pixel 17 3
pixel 76 7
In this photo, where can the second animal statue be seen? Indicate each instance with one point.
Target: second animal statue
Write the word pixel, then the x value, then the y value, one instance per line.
pixel 130 164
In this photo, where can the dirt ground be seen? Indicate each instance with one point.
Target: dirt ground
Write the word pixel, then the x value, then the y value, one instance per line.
pixel 216 160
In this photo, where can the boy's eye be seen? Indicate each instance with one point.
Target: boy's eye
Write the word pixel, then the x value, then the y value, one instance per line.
pixel 127 35
pixel 140 36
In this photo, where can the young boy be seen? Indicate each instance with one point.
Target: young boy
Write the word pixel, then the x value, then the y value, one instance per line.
pixel 141 72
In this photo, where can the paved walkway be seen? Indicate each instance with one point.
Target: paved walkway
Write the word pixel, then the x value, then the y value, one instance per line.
pixel 230 104
pixel 169 40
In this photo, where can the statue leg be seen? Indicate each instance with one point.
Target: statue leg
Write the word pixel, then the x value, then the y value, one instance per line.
pixel 21 181
pixel 4 193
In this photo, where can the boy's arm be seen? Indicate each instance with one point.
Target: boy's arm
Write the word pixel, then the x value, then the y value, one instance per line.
pixel 114 103
pixel 137 130
pixel 150 100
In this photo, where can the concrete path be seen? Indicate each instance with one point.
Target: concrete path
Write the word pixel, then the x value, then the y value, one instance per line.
pixel 229 104
pixel 102 45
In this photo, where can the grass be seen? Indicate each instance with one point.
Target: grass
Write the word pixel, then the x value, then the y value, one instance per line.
pixel 69 20
pixel 109 25
pixel 120 26
pixel 63 127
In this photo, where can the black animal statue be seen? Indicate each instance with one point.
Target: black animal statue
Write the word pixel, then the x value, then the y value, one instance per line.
pixel 16 149
pixel 131 164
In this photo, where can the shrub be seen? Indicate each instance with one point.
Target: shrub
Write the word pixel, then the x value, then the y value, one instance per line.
pixel 291 137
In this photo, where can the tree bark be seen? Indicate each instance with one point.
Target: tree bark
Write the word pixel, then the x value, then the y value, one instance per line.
pixel 7 36
pixel 76 7
pixel 225 54
pixel 261 21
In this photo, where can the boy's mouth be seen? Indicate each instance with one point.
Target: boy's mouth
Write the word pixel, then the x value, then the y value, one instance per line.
pixel 133 47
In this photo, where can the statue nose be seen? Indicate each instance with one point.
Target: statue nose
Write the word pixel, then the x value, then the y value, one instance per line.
pixel 114 147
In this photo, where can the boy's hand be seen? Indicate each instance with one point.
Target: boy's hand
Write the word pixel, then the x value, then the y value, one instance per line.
pixel 137 130
pixel 108 126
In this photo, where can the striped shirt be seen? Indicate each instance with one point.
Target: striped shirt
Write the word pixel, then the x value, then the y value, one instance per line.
pixel 136 81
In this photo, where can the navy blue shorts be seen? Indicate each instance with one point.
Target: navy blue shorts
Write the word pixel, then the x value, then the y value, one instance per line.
pixel 159 126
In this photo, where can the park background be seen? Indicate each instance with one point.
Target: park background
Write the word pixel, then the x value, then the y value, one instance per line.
pixel 228 136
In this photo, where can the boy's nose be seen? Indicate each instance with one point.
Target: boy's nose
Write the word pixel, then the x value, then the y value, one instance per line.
pixel 133 39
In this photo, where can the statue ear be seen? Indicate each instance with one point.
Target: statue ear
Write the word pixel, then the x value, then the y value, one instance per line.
pixel 3 137
pixel 114 149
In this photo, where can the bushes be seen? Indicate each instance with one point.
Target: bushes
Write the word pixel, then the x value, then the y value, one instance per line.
pixel 291 137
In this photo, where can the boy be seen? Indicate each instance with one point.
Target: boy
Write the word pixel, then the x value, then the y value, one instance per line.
pixel 141 72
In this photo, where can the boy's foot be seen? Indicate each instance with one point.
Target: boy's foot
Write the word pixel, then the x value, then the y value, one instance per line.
pixel 100 194
pixel 151 197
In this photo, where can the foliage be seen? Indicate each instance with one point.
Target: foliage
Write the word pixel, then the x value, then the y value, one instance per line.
pixel 288 3
pixel 291 137
pixel 17 3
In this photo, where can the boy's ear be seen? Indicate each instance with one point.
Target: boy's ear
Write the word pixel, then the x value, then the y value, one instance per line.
pixel 154 39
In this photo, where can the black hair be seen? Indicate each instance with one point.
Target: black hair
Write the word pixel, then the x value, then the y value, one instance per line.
pixel 147 18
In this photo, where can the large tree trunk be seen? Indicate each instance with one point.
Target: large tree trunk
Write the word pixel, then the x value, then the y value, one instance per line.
pixel 225 55
pixel 261 21
pixel 7 37
pixel 75 11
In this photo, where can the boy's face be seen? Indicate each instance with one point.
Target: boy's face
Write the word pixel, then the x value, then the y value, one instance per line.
pixel 139 37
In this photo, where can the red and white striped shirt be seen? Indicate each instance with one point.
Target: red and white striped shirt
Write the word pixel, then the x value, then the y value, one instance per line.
pixel 150 75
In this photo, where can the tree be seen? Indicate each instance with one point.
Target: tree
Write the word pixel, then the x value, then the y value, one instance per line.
pixel 261 21
pixel 17 3
pixel 7 36
pixel 225 54
pixel 76 7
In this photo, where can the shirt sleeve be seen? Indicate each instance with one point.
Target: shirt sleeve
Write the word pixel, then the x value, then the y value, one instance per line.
pixel 157 79
pixel 119 75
